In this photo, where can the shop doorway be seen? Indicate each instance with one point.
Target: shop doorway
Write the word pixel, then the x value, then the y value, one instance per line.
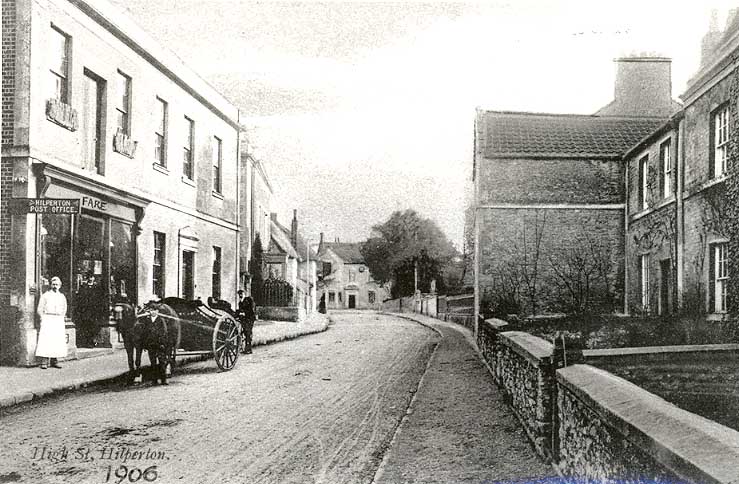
pixel 188 274
pixel 352 301
pixel 91 295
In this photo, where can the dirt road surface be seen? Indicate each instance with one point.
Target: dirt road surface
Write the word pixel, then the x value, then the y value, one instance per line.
pixel 319 409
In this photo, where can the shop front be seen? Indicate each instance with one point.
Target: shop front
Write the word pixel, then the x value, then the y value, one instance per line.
pixel 93 252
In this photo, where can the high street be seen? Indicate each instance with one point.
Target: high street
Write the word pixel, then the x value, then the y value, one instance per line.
pixel 322 408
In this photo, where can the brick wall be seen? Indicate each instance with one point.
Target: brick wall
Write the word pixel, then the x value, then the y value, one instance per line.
pixel 6 165
pixel 551 181
pixel 573 245
pixel 8 66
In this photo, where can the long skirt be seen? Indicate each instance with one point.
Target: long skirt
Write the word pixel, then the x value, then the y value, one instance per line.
pixel 52 340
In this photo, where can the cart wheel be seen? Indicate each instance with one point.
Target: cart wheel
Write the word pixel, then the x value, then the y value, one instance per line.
pixel 226 343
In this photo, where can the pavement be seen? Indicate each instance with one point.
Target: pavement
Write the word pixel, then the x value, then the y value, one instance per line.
pixel 19 384
pixel 459 428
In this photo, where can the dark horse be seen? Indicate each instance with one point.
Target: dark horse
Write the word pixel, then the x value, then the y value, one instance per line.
pixel 154 328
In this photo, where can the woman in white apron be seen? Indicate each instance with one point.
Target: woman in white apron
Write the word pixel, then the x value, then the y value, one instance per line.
pixel 52 341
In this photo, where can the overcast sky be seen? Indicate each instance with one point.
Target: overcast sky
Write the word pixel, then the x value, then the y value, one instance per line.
pixel 359 109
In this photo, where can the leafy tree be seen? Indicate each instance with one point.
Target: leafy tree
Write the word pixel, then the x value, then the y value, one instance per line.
pixel 403 245
pixel 256 265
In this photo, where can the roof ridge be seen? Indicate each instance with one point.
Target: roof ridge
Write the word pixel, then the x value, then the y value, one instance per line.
pixel 575 115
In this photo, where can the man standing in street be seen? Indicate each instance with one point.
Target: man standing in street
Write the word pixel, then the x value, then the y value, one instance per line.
pixel 52 308
pixel 247 315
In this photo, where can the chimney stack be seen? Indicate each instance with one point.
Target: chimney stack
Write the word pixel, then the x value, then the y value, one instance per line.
pixel 294 229
pixel 711 39
pixel 273 217
pixel 643 87
pixel 320 243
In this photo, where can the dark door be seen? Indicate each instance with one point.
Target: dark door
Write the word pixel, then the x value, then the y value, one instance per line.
pixel 91 294
pixel 665 287
pixel 352 301
pixel 188 274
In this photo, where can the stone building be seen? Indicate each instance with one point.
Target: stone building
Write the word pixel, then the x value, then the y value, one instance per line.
pixel 680 222
pixel 96 112
pixel 549 197
pixel 346 282
pixel 257 194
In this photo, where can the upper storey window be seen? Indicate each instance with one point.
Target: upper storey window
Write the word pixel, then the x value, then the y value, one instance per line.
pixel 59 69
pixel 123 104
pixel 720 127
pixel 160 133
pixel 665 157
pixel 188 149
pixel 643 182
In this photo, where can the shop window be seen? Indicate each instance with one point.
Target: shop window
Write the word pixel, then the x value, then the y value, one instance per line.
pixel 188 149
pixel 160 133
pixel 331 297
pixel 371 297
pixel 56 252
pixel 160 245
pixel 59 69
pixel 216 278
pixel 122 262
pixel 217 165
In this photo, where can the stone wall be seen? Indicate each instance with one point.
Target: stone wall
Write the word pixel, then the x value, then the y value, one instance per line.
pixel 272 313
pixel 597 427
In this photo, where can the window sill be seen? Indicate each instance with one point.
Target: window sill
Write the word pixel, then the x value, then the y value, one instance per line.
pixel 160 168
pixel 187 181
pixel 217 195
pixel 644 212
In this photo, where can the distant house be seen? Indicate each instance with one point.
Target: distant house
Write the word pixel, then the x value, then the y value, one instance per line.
pixel 289 257
pixel 345 280
pixel 549 197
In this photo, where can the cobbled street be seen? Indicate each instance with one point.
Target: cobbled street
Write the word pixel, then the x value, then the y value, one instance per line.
pixel 321 408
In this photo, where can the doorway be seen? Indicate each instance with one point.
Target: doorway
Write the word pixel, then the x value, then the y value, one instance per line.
pixel 91 294
pixel 665 287
pixel 188 274
pixel 352 301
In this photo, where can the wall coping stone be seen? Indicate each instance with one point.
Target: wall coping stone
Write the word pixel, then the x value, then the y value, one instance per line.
pixel 692 446
pixel 531 347
pixel 496 324
pixel 644 350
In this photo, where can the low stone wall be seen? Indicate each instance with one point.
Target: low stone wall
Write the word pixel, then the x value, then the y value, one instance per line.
pixel 610 430
pixel 276 313
pixel 597 427
pixel 522 367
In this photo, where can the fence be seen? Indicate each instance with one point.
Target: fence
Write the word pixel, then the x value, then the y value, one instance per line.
pixel 277 293
pixel 457 309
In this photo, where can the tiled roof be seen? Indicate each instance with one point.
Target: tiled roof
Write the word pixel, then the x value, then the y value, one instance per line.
pixel 283 241
pixel 514 133
pixel 347 251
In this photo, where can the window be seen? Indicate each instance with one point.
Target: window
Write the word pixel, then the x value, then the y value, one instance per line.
pixel 216 272
pixel 371 297
pixel 331 297
pixel 644 271
pixel 160 134
pixel 217 160
pixel 665 158
pixel 158 265
pixel 643 182
pixel 188 148
pixel 326 268
pixel 719 277
pixel 59 52
pixel 721 141
pixel 339 297
pixel 123 104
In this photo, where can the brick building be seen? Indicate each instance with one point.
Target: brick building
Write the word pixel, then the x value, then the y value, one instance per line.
pixel 549 197
pixel 346 282
pixel 681 223
pixel 94 110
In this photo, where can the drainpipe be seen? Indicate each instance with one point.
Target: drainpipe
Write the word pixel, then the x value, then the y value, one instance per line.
pixel 626 240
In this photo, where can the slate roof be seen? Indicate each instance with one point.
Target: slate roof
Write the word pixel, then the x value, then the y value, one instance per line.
pixel 347 251
pixel 538 134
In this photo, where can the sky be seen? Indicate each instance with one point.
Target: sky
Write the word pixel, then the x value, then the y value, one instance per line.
pixel 358 109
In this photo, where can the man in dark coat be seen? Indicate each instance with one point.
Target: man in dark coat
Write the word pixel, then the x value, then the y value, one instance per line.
pixel 247 315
